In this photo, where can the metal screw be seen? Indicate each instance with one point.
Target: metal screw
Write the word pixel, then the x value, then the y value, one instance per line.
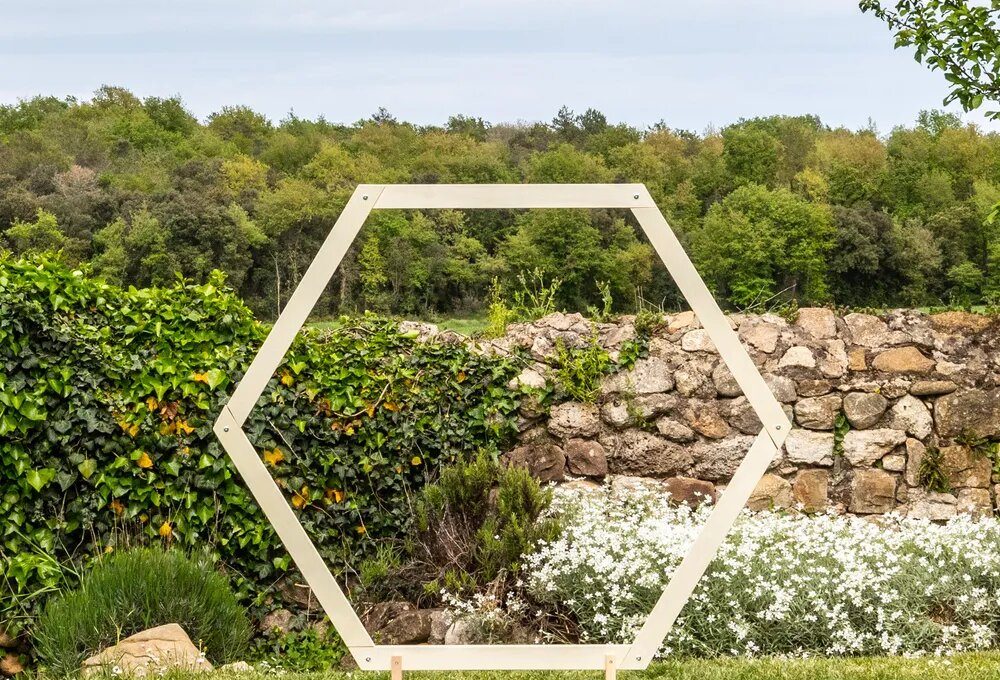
pixel 635 196
pixel 225 429
pixel 777 427
pixel 368 658
pixel 364 198
pixel 638 658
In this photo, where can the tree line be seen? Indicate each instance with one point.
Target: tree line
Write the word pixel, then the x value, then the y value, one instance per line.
pixel 772 210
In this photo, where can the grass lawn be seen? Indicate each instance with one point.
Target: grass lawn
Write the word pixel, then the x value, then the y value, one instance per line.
pixel 958 667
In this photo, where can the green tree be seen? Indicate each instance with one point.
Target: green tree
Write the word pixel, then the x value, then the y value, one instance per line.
pixel 759 244
pixel 960 38
pixel 39 236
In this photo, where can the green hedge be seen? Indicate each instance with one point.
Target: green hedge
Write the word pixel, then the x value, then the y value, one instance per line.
pixel 107 398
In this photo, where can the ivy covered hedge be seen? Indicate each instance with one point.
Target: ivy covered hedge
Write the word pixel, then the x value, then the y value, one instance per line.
pixel 107 398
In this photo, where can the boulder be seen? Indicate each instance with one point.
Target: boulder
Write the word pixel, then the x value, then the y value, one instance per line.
pixel 441 620
pixel 725 383
pixel 529 377
pixel 782 387
pixel 813 387
pixel 894 462
pixel 649 405
pixel 574 419
pixel 975 502
pixel 902 360
pixel 834 361
pixel 807 447
pixel 616 413
pixel 771 493
pixel 379 614
pixel 545 461
pixel 915 451
pixel 965 468
pixel 154 650
pixel 818 413
pixel 642 453
pixel 870 331
pixel 462 632
pixel 647 376
pixel 760 334
pixel 717 460
pixel 704 419
pixel 872 491
pixel 864 409
pixel 931 505
pixel 236 668
pixel 961 323
pixel 968 411
pixel 690 491
pixel 411 627
pixel 692 382
pixel 798 356
pixel 911 415
pixel 741 415
pixel 863 447
pixel 856 359
pixel 674 430
pixel 697 340
pixel 810 489
pixel 817 322
pixel 279 620
pixel 586 458
pixel 931 388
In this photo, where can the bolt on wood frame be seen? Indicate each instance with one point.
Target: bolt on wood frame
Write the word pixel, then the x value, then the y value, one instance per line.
pixel 371 656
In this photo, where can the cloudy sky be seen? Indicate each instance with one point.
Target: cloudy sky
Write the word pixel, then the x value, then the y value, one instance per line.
pixel 690 64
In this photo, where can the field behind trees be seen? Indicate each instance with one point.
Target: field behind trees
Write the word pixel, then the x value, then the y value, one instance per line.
pixel 772 209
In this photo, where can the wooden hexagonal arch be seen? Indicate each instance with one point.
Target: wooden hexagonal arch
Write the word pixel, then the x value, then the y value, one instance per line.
pixel 370 656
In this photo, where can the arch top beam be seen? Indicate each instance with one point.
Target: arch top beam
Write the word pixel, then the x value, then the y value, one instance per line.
pixel 505 196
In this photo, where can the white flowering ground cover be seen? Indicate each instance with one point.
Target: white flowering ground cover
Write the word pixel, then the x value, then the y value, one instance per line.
pixel 783 583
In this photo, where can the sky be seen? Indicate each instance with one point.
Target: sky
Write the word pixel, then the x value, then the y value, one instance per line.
pixel 691 64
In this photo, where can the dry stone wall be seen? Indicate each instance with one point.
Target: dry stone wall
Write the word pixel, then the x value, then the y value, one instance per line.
pixel 903 381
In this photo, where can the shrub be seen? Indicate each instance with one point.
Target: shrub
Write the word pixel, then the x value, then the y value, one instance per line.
pixel 130 591
pixel 474 524
pixel 781 583
pixel 107 398
pixel 578 371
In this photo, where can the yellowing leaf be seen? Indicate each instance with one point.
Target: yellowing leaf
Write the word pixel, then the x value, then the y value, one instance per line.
pixel 287 379
pixel 370 410
pixel 334 495
pixel 274 456
pixel 182 426
pixel 301 498
pixel 361 530
pixel 166 531
pixel 152 404
pixel 144 461
pixel 416 460
pixel 390 406
pixel 117 507
pixel 200 377
pixel 460 377
pixel 349 430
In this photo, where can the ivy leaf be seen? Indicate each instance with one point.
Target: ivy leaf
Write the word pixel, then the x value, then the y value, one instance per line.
pixel 215 377
pixel 39 478
pixel 87 467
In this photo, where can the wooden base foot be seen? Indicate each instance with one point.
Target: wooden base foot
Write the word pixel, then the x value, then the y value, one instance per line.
pixel 610 669
pixel 396 668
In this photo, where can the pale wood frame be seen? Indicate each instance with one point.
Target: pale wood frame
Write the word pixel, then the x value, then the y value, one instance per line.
pixel 370 656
